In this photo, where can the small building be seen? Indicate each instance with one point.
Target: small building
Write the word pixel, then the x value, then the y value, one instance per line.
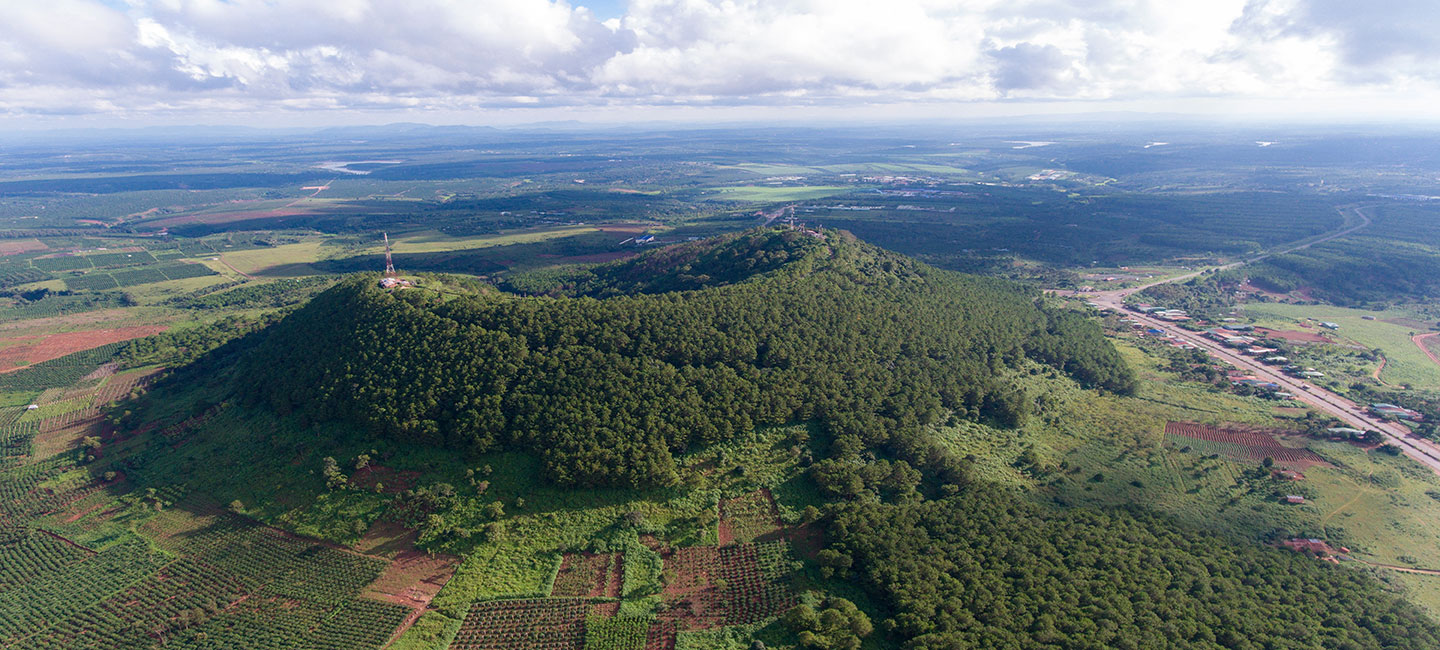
pixel 1397 412
pixel 32 407
pixel 1294 499
pixel 1329 325
pixel 645 239
pixel 1346 432
pixel 1276 359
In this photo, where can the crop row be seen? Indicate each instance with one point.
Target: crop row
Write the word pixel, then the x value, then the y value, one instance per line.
pixel 179 595
pixel 27 554
pixel 285 566
pixel 524 624
pixel 727 585
pixel 16 439
pixel 616 633
pixel 748 516
pixel 57 595
pixel 583 575
pixel 131 277
pixel 58 373
pixel 1274 450
pixel 1204 432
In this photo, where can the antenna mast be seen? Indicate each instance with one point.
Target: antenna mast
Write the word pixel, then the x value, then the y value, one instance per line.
pixel 389 261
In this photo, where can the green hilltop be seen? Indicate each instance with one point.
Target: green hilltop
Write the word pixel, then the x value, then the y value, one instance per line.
pixel 685 347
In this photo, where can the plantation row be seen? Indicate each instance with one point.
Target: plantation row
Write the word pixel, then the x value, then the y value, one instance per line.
pixel 746 517
pixel 717 586
pixel 56 595
pixel 57 305
pixel 1205 432
pixel 58 373
pixel 1280 454
pixel 95 261
pixel 617 633
pixel 27 554
pixel 524 624
pixel 285 566
pixel 132 277
pixel 586 576
pixel 16 439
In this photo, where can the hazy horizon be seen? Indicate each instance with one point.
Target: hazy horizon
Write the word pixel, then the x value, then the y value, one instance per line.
pixel 108 63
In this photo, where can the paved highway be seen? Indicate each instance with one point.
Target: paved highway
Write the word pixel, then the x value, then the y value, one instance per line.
pixel 1420 449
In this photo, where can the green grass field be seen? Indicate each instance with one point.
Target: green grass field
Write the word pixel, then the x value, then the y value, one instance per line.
pixel 759 194
pixel 1406 363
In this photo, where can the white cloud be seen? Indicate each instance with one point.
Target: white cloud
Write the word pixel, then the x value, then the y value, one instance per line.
pixel 78 56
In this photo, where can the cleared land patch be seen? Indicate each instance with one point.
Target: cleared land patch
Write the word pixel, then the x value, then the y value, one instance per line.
pixel 54 346
pixel 1241 444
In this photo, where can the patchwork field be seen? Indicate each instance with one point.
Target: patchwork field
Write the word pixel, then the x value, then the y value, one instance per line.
pixel 24 352
pixel 1240 444
pixel 1406 363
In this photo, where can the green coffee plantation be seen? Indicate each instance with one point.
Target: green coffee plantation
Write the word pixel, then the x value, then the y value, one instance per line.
pixel 88 562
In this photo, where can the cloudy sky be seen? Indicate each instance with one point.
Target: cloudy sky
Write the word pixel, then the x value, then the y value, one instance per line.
pixel 77 62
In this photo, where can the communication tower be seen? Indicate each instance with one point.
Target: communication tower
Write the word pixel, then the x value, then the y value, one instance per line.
pixel 389 261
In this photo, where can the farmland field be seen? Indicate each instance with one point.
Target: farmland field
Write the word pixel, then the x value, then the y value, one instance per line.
pixel 1405 363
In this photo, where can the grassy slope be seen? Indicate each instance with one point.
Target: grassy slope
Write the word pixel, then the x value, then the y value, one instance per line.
pixel 1378 505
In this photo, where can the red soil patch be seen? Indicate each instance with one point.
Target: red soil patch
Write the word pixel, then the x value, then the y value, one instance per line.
pixel 716 586
pixel 54 346
pixel 17 246
pixel 392 481
pixel 1256 445
pixel 1291 335
pixel 413 578
pixel 584 575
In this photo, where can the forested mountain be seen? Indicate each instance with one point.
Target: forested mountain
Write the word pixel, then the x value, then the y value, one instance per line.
pixel 688 346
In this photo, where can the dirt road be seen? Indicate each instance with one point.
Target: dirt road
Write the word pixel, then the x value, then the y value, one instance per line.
pixel 1419 341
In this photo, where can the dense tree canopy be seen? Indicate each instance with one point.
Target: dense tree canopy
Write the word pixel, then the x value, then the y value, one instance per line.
pixel 779 327
pixel 989 569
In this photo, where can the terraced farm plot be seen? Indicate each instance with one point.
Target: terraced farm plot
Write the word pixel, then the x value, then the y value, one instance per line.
pixel 716 586
pixel 524 624
pixel 130 277
pixel 745 518
pixel 55 346
pixel 616 633
pixel 1243 445
pixel 589 576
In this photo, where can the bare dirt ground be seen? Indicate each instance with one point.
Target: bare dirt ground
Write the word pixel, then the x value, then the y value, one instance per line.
pixel 17 246
pixel 54 323
pixel 1291 335
pixel 54 346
